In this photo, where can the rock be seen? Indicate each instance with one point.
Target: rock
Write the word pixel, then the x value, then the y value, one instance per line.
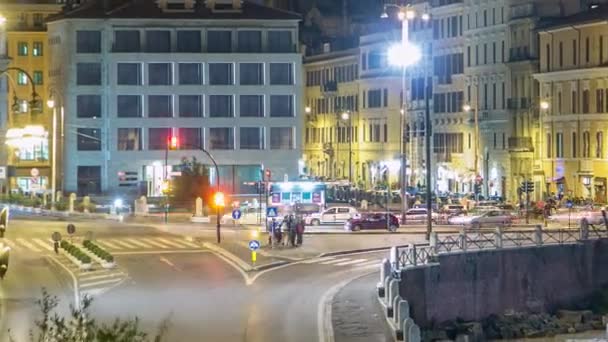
pixel 571 330
pixel 597 325
pixel 580 327
pixel 572 317
pixel 475 331
pixel 535 333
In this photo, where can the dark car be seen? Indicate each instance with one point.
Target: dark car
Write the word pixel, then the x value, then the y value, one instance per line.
pixel 373 221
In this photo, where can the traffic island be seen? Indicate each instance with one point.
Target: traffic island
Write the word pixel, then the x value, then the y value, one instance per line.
pixel 104 258
pixel 76 255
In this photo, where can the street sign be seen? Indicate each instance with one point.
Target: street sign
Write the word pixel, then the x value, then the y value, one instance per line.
pixel 254 245
pixel 71 229
pixel 271 212
pixel 236 214
pixel 56 236
pixel 568 204
pixel 2 172
pixel 34 172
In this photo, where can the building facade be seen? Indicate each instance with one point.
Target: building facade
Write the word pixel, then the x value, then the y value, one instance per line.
pixel 573 79
pixel 219 75
pixel 27 49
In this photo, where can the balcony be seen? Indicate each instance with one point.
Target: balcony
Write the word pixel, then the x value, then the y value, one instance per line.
pixel 519 54
pixel 519 103
pixel 521 144
pixel 329 88
pixel 586 166
pixel 439 3
pixel 523 11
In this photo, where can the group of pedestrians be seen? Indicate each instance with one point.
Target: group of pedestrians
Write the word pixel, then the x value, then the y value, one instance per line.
pixel 289 232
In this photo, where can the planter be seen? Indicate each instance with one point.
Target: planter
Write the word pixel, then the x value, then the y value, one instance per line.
pixel 108 265
pixel 85 266
pixel 99 260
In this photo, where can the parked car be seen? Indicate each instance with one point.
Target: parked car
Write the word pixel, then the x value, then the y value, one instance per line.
pixel 331 216
pixel 490 218
pixel 575 216
pixel 419 215
pixel 453 209
pixel 373 221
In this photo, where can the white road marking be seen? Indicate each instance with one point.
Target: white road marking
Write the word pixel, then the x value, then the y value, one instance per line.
pixel 106 244
pixel 356 261
pixel 315 260
pixel 170 243
pixel 74 279
pixel 137 242
pixel 335 261
pixel 370 263
pixel 28 245
pixel 101 282
pixel 100 276
pixel 123 243
pixel 157 244
pixel 188 243
pixel 44 245
pixel 9 243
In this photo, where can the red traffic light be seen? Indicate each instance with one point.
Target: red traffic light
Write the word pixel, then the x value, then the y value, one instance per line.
pixel 218 199
pixel 173 143
pixel 267 174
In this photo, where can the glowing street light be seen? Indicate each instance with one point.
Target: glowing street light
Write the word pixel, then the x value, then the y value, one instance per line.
pixel 345 116
pixel 307 110
pixel 404 55
pixel 466 108
pixel 544 105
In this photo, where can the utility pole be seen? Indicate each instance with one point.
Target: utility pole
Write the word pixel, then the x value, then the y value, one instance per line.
pixel 427 137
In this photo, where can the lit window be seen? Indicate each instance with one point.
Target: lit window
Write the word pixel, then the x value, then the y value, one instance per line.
pixel 22 78
pixel 38 78
pixel 37 49
pixel 22 49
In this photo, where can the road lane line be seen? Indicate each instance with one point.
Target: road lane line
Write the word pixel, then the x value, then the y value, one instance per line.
pixel 155 243
pixel 111 275
pixel 356 261
pixel 123 243
pixel 335 261
pixel 28 245
pixel 139 243
pixel 370 263
pixel 10 243
pixel 43 244
pixel 107 244
pixel 168 262
pixel 188 243
pixel 315 260
pixel 74 279
pixel 100 282
pixel 170 243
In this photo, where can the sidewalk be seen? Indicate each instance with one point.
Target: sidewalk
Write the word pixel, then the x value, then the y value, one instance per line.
pixel 356 315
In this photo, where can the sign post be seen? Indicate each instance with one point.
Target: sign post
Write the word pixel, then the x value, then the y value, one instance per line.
pixel 254 245
pixel 56 236
pixel 71 230
pixel 569 205
pixel 236 215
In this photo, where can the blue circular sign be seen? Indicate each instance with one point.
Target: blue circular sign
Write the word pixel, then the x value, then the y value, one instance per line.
pixel 236 214
pixel 254 245
pixel 569 204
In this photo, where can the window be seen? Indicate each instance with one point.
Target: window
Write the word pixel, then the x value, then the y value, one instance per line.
pixel 280 41
pixel 88 139
pixel 587 50
pixel 281 73
pixel 190 74
pixel 37 49
pixel 376 60
pixel 385 97
pixel 88 106
pixel 586 145
pixel 128 106
pixel 281 106
pixel 88 41
pixel 599 100
pixel 476 54
pixel 599 144
pixel 160 74
pixel 574 48
pixel 38 20
pixel 549 145
pixel 251 106
pixel 251 138
pixel 221 138
pixel 548 57
pixel 281 138
pixel 189 41
pixel 485 53
pixel 574 99
pixel 189 138
pixel 88 180
pixel 586 101
pixel 37 76
pixel 220 106
pixel 126 41
pixel 158 137
pixel 219 41
pixel 190 106
pixel 601 50
pixel 128 74
pixel 494 52
pixel 129 139
pixel 559 145
pixel 22 49
pixel 559 102
pixel 158 41
pixel 468 56
pixel 249 41
pixel 494 96
pixel 561 54
pixel 160 106
pixel 88 73
pixel 251 73
pixel 374 98
pixel 574 145
pixel 220 74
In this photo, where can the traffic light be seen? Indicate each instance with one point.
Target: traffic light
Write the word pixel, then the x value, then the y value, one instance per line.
pixel 173 143
pixel 218 199
pixel 267 174
pixel 526 187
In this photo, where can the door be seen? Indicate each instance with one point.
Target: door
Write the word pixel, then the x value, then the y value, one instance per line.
pixel 329 216
pixel 376 222
pixel 342 215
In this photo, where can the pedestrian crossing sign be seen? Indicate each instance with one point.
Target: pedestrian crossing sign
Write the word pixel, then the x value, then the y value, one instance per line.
pixel 271 212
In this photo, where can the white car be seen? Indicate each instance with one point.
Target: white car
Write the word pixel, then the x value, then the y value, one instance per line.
pixel 248 216
pixel 331 216
pixel 593 217
pixel 418 215
pixel 492 218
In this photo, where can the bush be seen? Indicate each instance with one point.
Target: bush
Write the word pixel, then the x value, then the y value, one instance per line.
pixel 75 252
pixel 98 251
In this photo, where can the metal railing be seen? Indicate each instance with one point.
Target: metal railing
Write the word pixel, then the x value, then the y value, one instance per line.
pixel 417 255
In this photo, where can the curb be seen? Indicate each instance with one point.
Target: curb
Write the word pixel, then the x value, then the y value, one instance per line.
pixel 226 254
pixel 364 250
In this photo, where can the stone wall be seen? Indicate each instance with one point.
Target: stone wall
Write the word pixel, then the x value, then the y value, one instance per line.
pixel 474 285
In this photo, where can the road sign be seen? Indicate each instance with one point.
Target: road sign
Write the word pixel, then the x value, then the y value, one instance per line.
pixel 254 245
pixel 34 172
pixel 271 212
pixel 569 204
pixel 71 229
pixel 56 236
pixel 236 214
pixel 2 172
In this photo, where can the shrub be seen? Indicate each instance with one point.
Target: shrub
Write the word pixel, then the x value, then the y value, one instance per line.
pixel 98 251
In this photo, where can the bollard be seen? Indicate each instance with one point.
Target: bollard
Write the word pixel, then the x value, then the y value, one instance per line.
pixel 405 327
pixel 403 312
pixel 385 271
pixel 538 235
pixel 394 255
pixel 393 291
pixel 395 306
pixel 584 229
pixel 498 237
pixel 462 238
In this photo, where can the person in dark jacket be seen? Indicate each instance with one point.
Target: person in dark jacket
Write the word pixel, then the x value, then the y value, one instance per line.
pixel 300 232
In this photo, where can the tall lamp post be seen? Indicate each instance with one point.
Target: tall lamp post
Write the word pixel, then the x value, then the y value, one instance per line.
pixel 51 104
pixel 467 108
pixel 403 55
pixel 346 117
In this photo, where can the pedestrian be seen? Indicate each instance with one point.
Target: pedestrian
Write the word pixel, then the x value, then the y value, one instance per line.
pixel 270 230
pixel 300 232
pixel 56 247
pixel 292 231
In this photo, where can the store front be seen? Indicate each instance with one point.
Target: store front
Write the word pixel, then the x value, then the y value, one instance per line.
pixel 599 185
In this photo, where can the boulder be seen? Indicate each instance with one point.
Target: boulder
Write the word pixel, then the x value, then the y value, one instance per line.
pixel 573 317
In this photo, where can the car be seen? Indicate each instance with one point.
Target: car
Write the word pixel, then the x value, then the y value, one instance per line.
pixel 331 216
pixel 419 215
pixel 575 216
pixel 373 221
pixel 490 218
pixel 248 216
pixel 453 209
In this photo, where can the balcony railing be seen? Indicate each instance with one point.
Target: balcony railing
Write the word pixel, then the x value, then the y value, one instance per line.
pixel 521 144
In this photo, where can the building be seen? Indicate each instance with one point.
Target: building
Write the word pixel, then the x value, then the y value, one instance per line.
pixel 27 49
pixel 573 77
pixel 223 75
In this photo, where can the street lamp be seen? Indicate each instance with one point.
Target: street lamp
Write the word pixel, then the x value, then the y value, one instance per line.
pixel 346 118
pixel 307 110
pixel 51 104
pixel 467 108
pixel 404 55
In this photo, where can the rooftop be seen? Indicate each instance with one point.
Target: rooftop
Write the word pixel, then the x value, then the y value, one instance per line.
pixel 593 14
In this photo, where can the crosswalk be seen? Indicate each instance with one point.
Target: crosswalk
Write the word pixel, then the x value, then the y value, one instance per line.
pixel 95 281
pixel 358 261
pixel 121 244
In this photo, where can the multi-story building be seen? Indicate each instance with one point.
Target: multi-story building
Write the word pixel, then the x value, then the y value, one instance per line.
pixel 27 49
pixel 573 80
pixel 223 75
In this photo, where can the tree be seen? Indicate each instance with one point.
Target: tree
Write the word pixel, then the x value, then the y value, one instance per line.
pixel 80 327
pixel 193 183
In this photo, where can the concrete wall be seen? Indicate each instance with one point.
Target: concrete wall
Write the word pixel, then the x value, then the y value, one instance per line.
pixel 474 285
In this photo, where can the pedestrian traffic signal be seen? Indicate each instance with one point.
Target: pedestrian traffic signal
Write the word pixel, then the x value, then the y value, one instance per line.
pixel 218 199
pixel 173 143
